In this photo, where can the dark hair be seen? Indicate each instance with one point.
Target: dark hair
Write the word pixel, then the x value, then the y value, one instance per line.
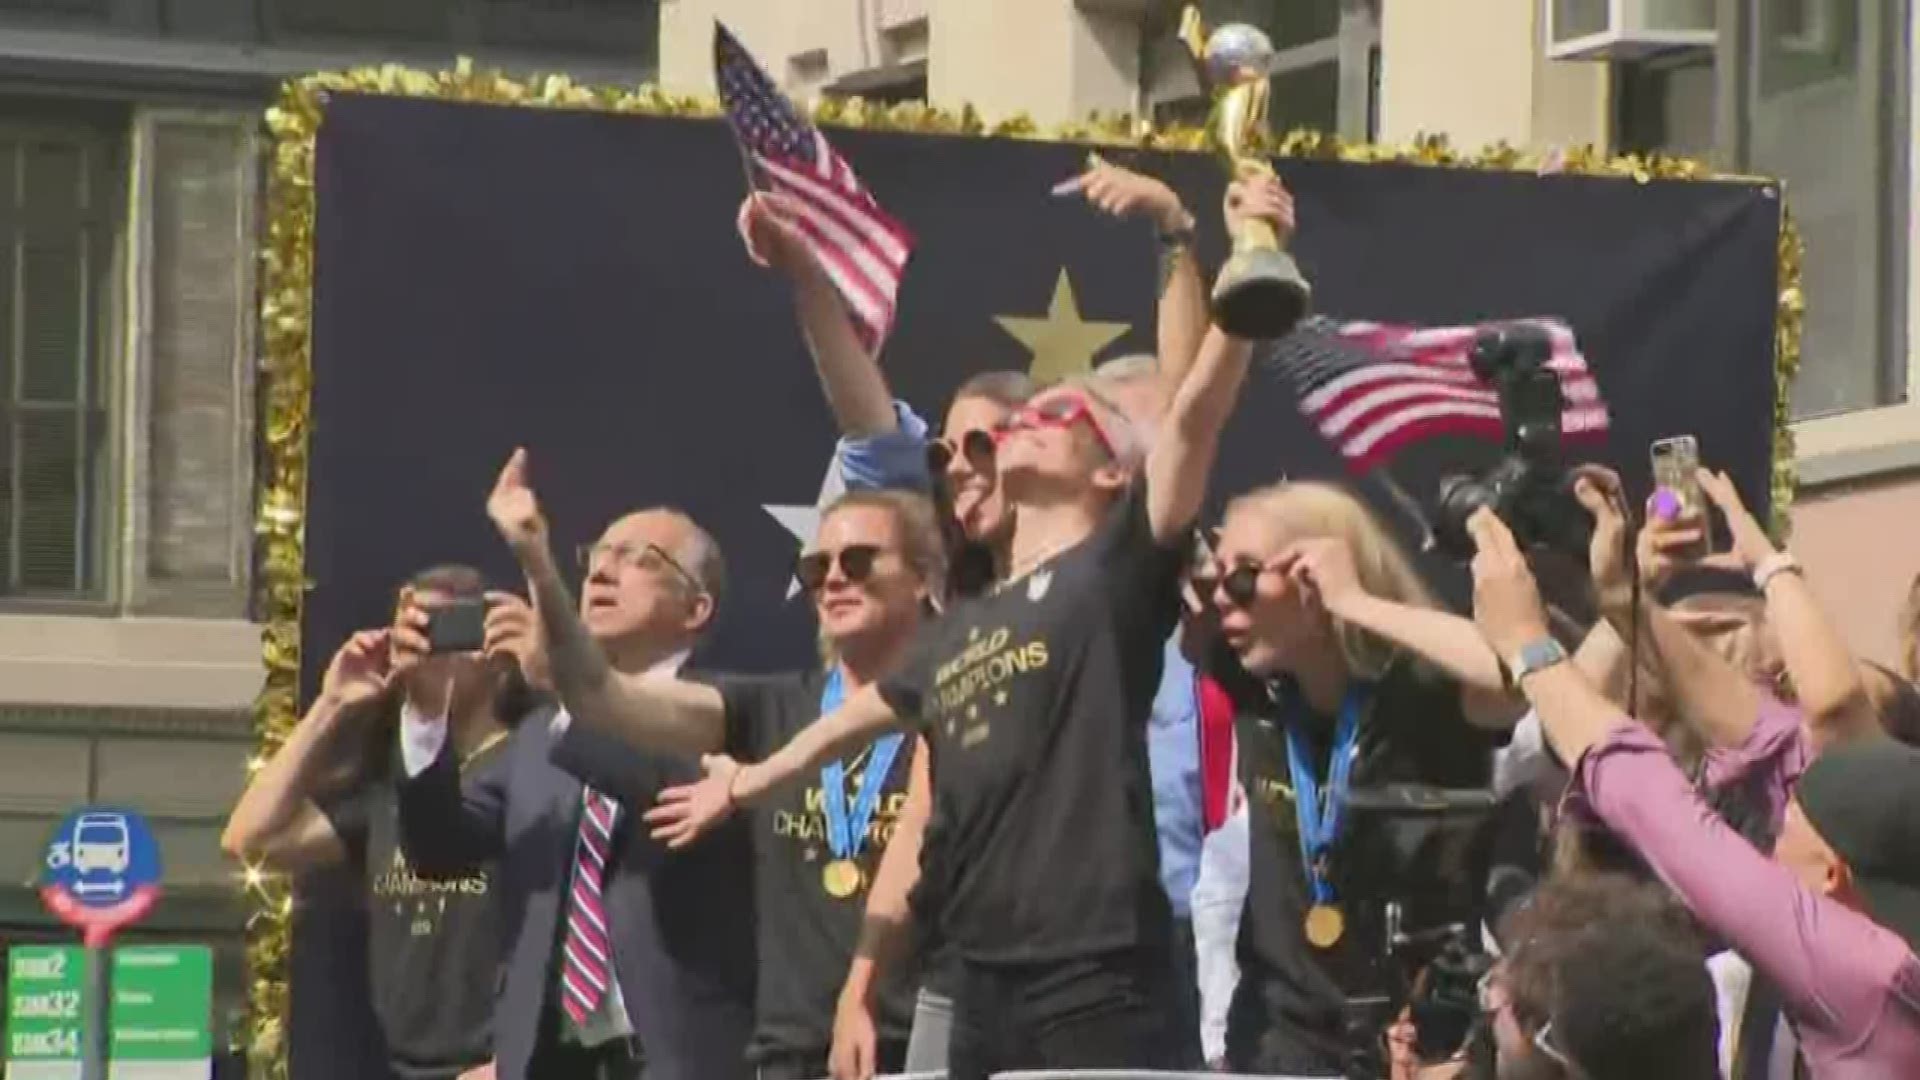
pixel 1615 966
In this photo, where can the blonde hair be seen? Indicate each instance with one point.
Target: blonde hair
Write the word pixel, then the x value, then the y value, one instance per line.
pixel 1307 510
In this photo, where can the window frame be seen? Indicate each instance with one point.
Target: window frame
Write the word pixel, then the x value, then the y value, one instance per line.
pixel 110 126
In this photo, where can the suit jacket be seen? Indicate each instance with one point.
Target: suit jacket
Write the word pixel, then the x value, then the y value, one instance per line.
pixel 681 922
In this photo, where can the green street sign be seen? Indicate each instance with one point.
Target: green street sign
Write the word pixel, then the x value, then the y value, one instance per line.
pixel 44 1018
pixel 162 1013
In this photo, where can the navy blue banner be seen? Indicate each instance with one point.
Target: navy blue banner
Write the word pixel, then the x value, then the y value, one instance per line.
pixel 571 281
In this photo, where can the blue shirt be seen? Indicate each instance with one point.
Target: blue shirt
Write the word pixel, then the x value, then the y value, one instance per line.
pixel 1173 759
pixel 890 460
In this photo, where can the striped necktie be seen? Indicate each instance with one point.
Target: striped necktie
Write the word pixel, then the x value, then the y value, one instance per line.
pixel 588 964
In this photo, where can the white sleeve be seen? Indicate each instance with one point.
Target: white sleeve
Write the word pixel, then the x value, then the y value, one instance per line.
pixel 1219 895
pixel 421 739
pixel 1524 761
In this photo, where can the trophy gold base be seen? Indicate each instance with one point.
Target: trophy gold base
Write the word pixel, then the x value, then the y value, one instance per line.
pixel 1260 294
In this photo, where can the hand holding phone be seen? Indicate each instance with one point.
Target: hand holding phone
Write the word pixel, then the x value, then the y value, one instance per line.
pixel 457 626
pixel 1677 529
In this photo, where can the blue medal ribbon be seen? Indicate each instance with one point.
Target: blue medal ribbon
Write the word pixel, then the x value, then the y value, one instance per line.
pixel 1319 810
pixel 847 828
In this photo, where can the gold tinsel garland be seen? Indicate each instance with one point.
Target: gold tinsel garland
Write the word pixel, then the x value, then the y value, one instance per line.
pixel 286 317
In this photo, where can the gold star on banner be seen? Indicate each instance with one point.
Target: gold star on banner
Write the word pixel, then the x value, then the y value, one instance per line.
pixel 1063 343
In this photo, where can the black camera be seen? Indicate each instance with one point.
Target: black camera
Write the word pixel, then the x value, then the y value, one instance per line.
pixel 1422 854
pixel 1529 488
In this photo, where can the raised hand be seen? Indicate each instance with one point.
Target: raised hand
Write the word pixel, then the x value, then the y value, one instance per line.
pixel 1598 490
pixel 1124 193
pixel 360 672
pixel 1751 544
pixel 513 636
pixel 688 812
pixel 407 643
pixel 1506 600
pixel 1261 198
pixel 766 225
pixel 514 508
pixel 1325 566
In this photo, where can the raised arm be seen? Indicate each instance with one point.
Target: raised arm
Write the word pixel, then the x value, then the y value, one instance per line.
pixel 856 391
pixel 1443 639
pixel 1717 699
pixel 1182 456
pixel 1181 320
pixel 1826 679
pixel 654 712
pixel 278 823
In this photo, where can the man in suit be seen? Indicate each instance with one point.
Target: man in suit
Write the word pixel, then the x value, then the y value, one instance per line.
pixel 622 960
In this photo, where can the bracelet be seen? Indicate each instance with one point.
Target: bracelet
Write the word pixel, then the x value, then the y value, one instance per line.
pixel 1780 562
pixel 1181 236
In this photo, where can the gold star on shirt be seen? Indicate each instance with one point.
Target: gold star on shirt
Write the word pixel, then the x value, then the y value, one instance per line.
pixel 1063 343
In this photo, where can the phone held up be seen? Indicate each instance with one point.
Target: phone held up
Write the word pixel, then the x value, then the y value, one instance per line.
pixel 459 625
pixel 1676 465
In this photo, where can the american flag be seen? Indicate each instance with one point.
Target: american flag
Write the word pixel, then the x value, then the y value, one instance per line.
pixel 862 249
pixel 1372 389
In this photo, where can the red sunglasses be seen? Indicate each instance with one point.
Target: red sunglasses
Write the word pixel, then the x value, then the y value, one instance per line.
pixel 1060 412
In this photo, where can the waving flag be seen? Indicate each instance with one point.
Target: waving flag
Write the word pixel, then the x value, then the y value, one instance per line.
pixel 863 250
pixel 1372 389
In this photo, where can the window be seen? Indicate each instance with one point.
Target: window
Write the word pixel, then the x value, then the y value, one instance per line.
pixel 1821 110
pixel 1326 65
pixel 59 216
pixel 1812 92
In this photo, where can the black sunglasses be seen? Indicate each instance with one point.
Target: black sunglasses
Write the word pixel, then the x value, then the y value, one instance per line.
pixel 976 444
pixel 856 564
pixel 1242 583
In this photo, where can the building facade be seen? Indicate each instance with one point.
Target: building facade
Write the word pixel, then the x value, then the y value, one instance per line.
pixel 131 178
pixel 1819 93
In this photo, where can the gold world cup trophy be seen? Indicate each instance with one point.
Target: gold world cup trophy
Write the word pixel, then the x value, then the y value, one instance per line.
pixel 1260 292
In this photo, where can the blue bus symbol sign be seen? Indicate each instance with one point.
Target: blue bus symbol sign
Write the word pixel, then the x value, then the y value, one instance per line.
pixel 102 871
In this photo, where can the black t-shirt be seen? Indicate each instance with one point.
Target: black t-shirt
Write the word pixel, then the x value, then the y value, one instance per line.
pixel 434 946
pixel 1035 700
pixel 1291 993
pixel 806 935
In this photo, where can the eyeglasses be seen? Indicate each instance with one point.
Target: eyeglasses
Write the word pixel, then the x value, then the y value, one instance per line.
pixel 975 444
pixel 1060 412
pixel 856 565
pixel 1240 583
pixel 651 557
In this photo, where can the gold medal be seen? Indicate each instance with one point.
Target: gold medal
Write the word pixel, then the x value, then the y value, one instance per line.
pixel 841 878
pixel 1325 924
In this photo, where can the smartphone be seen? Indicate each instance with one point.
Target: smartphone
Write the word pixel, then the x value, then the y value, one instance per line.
pixel 458 626
pixel 1676 467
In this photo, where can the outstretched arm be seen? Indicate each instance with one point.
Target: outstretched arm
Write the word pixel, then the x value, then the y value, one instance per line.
pixel 859 719
pixel 654 712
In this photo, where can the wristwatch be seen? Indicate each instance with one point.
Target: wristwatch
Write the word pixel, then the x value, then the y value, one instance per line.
pixel 1535 656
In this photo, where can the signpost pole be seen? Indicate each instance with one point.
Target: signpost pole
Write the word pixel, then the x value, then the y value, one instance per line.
pixel 94 1001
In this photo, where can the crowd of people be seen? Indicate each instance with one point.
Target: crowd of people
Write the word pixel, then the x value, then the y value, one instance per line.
pixel 1081 783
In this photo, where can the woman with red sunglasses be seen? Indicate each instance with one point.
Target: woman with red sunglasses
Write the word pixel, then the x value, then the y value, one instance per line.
pixel 1035 699
pixel 1367 682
